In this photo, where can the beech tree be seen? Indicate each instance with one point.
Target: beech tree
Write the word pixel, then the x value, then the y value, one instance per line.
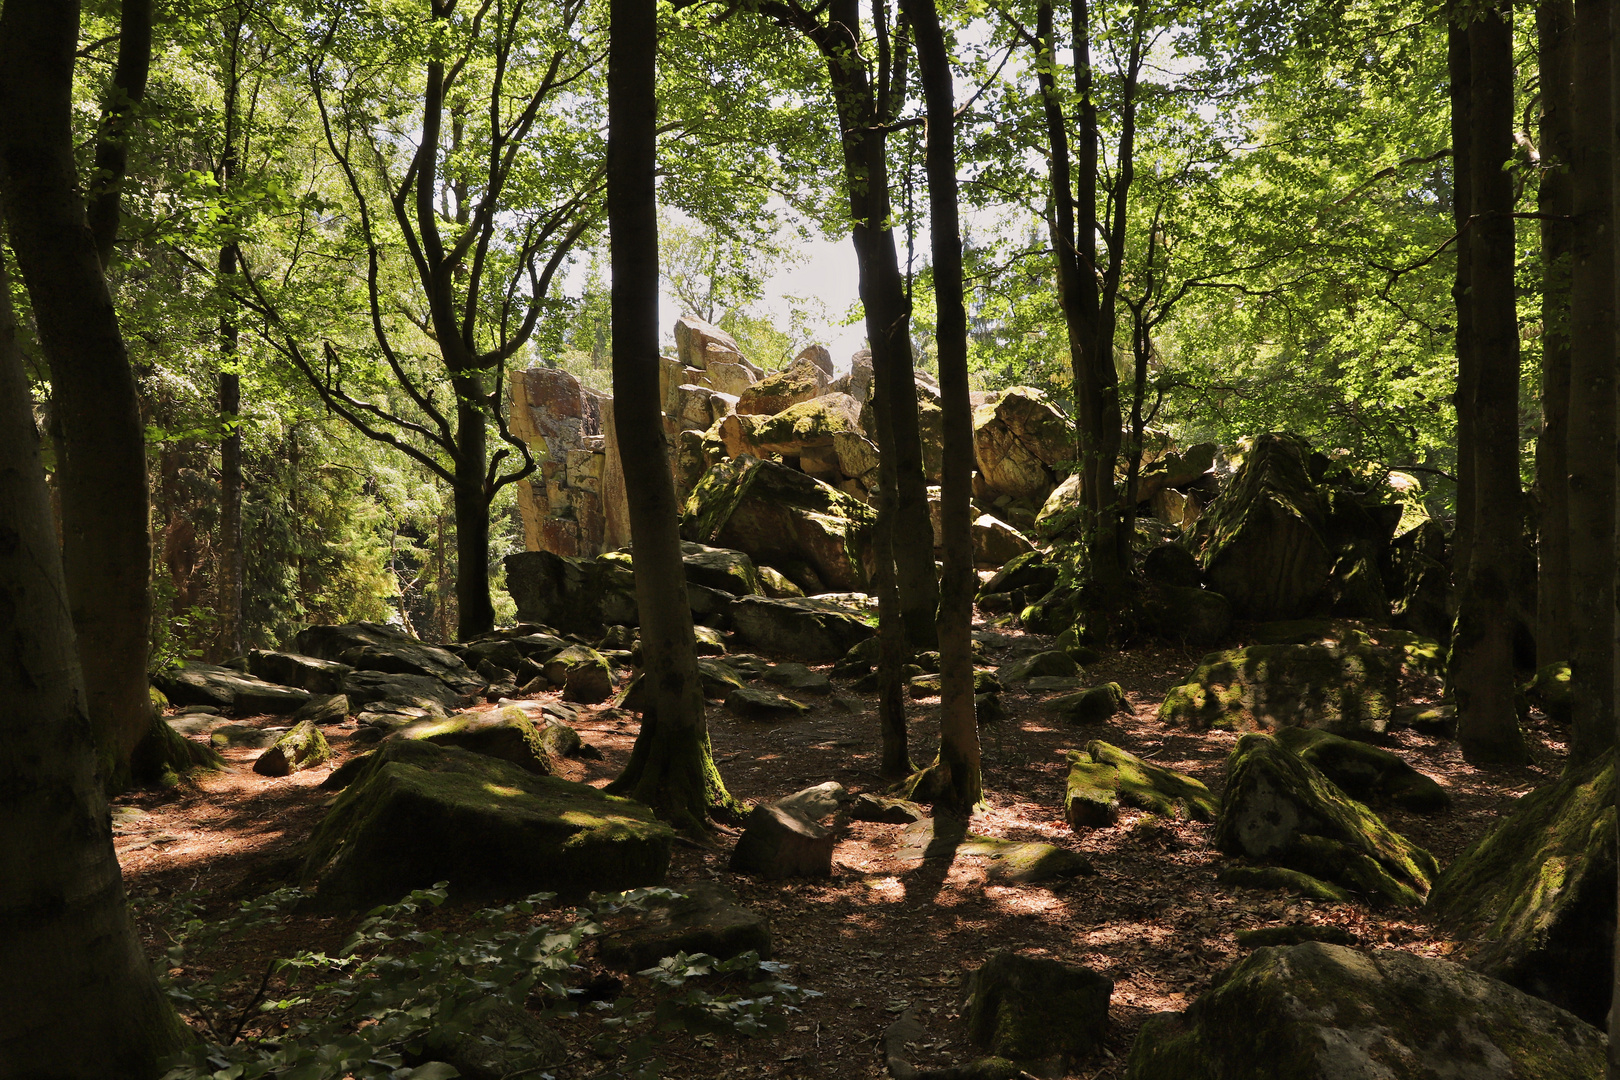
pixel 671 767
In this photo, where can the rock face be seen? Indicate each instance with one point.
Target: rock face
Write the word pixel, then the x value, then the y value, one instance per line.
pixel 779 517
pixel 418 813
pixel 1326 1012
pixel 224 688
pixel 1017 439
pixel 566 502
pixel 1278 809
pixel 1266 552
pixel 1536 897
pixel 817 631
pixel 1030 1009
pixel 1346 687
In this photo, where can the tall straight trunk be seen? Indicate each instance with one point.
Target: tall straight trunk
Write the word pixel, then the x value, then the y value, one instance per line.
pixel 1481 667
pixel 475 612
pixel 1458 63
pixel 1592 390
pixel 958 723
pixel 230 477
pixel 79 999
pixel 101 475
pixel 671 767
pixel 1555 202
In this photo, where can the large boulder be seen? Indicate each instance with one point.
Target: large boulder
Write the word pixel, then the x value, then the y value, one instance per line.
pixel 1034 1010
pixel 780 516
pixel 300 747
pixel 1266 552
pixel 226 688
pixel 1535 899
pixel 802 381
pixel 419 813
pixel 995 543
pixel 718 568
pixel 1017 439
pixel 305 672
pixel 1347 687
pixel 507 734
pixel 809 425
pixel 368 646
pixel 1326 1012
pixel 1175 470
pixel 1366 773
pixel 1419 581
pixel 574 595
pixel 1187 614
pixel 1279 809
pixel 810 629
pixel 697 343
pixel 1150 787
pixel 369 688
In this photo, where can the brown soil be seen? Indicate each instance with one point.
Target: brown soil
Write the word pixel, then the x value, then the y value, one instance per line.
pixel 886 932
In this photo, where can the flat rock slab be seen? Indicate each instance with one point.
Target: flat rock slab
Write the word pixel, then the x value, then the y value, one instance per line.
pixel 885 811
pixel 815 630
pixel 294 669
pixel 1021 863
pixel 507 734
pixel 419 813
pixel 1326 1012
pixel 753 704
pixel 366 688
pixel 706 919
pixel 226 688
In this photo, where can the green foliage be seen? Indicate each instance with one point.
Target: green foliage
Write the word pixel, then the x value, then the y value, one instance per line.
pixel 396 991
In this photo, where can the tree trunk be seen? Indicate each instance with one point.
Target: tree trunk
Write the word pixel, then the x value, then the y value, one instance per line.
pixel 1481 669
pixel 101 474
pixel 1458 63
pixel 1592 390
pixel 958 723
pixel 230 477
pixel 79 999
pixel 1556 203
pixel 671 767
pixel 475 612
pixel 124 96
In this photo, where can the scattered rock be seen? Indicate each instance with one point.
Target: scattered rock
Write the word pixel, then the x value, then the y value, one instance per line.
pixel 1277 808
pixel 1324 1012
pixel 242 737
pixel 323 709
pixel 1192 615
pixel 302 747
pixel 1032 1009
pixel 224 688
pixel 1535 899
pixel 368 646
pixel 1346 687
pixel 782 390
pixel 1091 800
pixel 1093 706
pixel 1053 684
pixel 717 568
pixel 752 704
pixel 928 685
pixel 706 919
pixel 419 813
pixel 814 630
pixel 778 843
pixel 1174 565
pixel 817 802
pixel 575 595
pixel 1366 772
pixel 775 585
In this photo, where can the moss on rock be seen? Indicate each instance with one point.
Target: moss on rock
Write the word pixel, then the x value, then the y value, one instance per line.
pixel 507 734
pixel 1284 879
pixel 418 813
pixel 1365 772
pixel 1154 788
pixel 302 747
pixel 1032 1009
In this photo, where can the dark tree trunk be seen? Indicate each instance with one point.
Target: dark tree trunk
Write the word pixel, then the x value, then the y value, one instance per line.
pixel 1481 669
pixel 230 392
pixel 1457 60
pixel 78 999
pixel 475 612
pixel 671 767
pixel 1556 203
pixel 1592 390
pixel 958 724
pixel 102 452
pixel 124 96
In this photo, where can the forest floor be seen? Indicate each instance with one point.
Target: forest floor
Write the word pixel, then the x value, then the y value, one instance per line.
pixel 887 932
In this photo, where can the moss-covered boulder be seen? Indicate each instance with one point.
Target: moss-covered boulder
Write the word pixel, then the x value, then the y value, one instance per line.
pixel 1535 899
pixel 1325 1012
pixel 1367 773
pixel 1093 706
pixel 1550 692
pixel 810 629
pixel 584 674
pixel 705 917
pixel 1277 808
pixel 1419 580
pixel 1032 574
pixel 1053 662
pixel 782 390
pixel 809 425
pixel 301 747
pixel 506 734
pixel 946 839
pixel 1285 880
pixel 752 704
pixel 1034 1010
pixel 717 568
pixel 1154 788
pixel 418 813
pixel 780 516
pixel 292 669
pixel 1187 614
pixel 1091 797
pixel 1265 551
pixel 1347 687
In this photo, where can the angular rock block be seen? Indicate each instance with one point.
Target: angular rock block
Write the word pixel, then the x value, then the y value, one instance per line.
pixel 777 843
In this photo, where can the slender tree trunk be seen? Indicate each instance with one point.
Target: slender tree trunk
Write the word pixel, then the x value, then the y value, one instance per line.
pixel 1592 390
pixel 230 476
pixel 78 999
pixel 1555 202
pixel 475 612
pixel 124 96
pixel 1458 62
pixel 958 724
pixel 102 454
pixel 894 652
pixel 671 767
pixel 1481 669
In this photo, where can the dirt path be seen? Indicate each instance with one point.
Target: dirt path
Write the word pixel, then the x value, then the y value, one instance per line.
pixel 886 932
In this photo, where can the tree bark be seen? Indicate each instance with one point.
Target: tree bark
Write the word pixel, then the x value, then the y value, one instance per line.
pixel 1592 390
pixel 958 723
pixel 124 96
pixel 230 390
pixel 1481 668
pixel 671 767
pixel 79 999
pixel 1458 63
pixel 475 611
pixel 1555 202
pixel 102 452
